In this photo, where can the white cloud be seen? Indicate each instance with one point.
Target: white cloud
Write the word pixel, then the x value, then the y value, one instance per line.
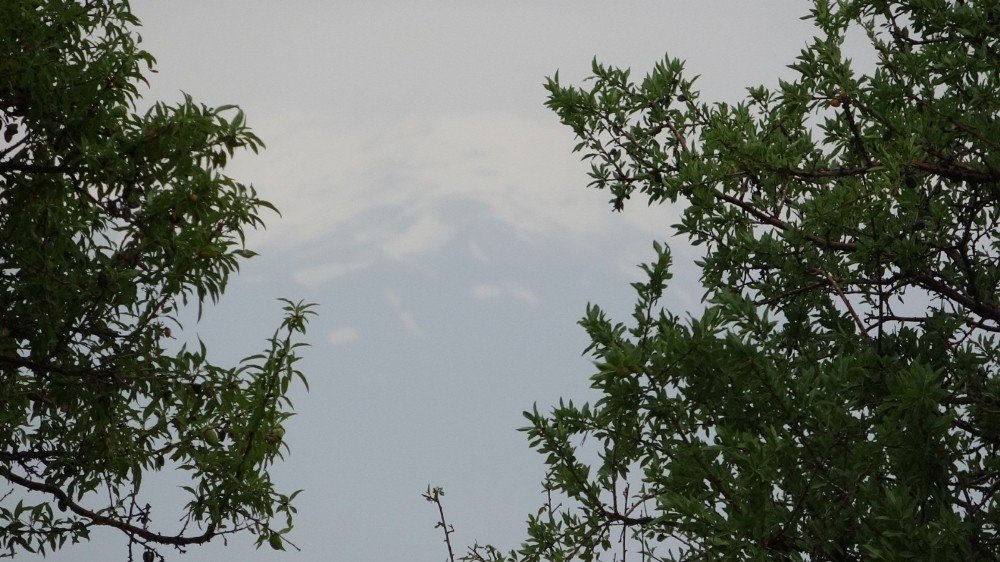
pixel 317 275
pixel 406 318
pixel 489 291
pixel 523 294
pixel 356 194
pixel 485 291
pixel 343 336
pixel 410 323
pixel 425 235
pixel 477 252
pixel 392 298
pixel 404 189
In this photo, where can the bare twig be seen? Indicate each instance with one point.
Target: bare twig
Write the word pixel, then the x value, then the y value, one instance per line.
pixel 433 495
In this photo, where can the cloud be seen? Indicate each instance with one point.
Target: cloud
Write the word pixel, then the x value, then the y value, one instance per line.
pixel 523 294
pixel 489 291
pixel 343 336
pixel 317 275
pixel 423 236
pixel 484 291
pixel 406 318
pixel 392 298
pixel 477 252
pixel 354 194
pixel 410 323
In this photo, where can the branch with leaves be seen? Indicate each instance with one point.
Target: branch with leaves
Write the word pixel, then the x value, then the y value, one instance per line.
pixel 837 396
pixel 112 222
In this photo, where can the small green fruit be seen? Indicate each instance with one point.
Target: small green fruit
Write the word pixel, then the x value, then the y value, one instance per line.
pixel 275 541
pixel 211 437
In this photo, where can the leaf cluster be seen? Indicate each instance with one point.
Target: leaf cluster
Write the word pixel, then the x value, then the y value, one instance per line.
pixel 837 398
pixel 111 220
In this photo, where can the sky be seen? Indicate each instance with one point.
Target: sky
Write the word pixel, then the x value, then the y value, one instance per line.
pixel 433 209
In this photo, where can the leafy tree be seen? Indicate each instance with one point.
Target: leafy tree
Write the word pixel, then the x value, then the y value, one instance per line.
pixel 111 220
pixel 838 396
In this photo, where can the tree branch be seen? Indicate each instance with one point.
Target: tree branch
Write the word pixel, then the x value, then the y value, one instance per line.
pixel 104 520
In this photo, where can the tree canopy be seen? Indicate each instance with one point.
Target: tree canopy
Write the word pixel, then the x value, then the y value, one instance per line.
pixel 838 397
pixel 112 220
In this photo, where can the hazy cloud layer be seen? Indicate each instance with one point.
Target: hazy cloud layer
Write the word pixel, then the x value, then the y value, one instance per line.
pixel 491 291
pixel 399 193
pixel 343 336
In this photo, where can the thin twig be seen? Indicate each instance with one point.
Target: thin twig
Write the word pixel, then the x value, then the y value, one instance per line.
pixel 433 495
pixel 850 308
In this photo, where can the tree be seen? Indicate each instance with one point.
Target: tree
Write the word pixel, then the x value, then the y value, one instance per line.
pixel 111 221
pixel 838 396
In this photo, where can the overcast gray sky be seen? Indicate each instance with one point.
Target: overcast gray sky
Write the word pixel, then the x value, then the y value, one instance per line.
pixel 433 208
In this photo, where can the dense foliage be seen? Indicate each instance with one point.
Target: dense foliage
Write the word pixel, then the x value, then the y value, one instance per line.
pixel 112 219
pixel 838 397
